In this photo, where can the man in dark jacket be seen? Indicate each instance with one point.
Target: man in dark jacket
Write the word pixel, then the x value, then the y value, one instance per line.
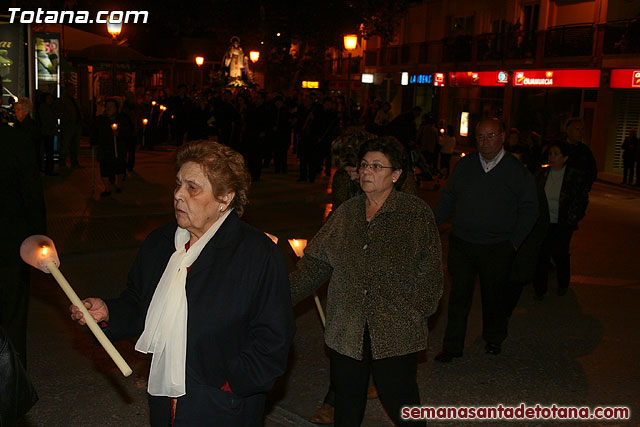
pixel 492 199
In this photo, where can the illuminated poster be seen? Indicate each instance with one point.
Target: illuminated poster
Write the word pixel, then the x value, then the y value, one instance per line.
pixel 464 123
pixel 47 62
pixel 625 79
pixel 12 60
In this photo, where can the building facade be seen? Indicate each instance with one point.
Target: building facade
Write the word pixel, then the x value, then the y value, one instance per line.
pixel 535 63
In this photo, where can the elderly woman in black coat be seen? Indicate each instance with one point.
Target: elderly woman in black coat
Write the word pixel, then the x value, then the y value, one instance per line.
pixel 381 253
pixel 208 297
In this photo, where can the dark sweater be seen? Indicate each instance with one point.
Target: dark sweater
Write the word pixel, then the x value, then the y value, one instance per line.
pixel 490 207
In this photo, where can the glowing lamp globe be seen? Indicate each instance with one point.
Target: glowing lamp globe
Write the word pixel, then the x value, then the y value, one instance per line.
pixel 114 28
pixel 350 41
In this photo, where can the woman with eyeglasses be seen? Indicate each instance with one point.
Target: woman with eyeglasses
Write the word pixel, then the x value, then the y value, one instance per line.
pixel 381 253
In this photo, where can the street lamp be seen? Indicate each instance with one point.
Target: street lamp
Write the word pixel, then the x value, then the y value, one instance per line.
pixel 199 62
pixel 254 55
pixel 114 28
pixel 350 42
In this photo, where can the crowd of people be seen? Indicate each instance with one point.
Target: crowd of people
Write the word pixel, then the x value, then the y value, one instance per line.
pixel 379 250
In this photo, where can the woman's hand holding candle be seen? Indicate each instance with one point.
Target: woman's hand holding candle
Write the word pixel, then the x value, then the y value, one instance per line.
pixel 96 308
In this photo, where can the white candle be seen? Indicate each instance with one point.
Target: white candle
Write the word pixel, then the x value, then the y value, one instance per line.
pixel 91 323
pixel 298 246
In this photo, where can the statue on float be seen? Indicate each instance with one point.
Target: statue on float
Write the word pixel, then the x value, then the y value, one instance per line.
pixel 236 63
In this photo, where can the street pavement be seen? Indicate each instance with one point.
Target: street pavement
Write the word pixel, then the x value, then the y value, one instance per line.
pixel 578 350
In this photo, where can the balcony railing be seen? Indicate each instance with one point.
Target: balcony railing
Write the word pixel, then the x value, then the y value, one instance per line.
pixel 621 37
pixel 457 49
pixel 506 45
pixel 569 40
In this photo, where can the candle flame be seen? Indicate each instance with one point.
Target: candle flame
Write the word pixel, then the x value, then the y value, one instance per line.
pixel 145 121
pixel 545 166
pixel 462 154
pixel 153 102
pixel 298 246
pixel 114 126
pixel 45 249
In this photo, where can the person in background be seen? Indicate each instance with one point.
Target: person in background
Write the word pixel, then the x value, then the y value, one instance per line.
pixel 48 128
pixel 580 155
pixel 513 140
pixel 383 117
pixel 29 127
pixel 208 299
pixel 344 150
pixel 70 128
pixel 492 199
pixel 427 142
pixel 567 196
pixel 112 145
pixel 447 144
pixel 630 148
pixel 381 253
pixel 129 109
pixel 279 132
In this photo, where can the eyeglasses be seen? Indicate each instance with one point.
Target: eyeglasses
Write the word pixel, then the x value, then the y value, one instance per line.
pixel 376 167
pixel 489 137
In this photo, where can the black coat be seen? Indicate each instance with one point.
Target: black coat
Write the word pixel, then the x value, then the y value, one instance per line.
pixel 240 319
pixel 21 194
pixel 17 394
pixel 574 196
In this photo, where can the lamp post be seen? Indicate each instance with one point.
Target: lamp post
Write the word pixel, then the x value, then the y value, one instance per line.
pixel 350 42
pixel 114 28
pixel 254 55
pixel 199 62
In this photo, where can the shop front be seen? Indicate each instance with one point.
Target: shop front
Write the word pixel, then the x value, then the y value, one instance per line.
pixel 471 96
pixel 624 92
pixel 543 100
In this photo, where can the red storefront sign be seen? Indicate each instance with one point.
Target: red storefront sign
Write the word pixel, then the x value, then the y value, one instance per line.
pixel 557 78
pixel 625 79
pixel 479 78
pixel 438 79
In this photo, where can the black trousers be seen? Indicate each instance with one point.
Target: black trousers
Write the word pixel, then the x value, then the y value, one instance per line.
pixel 395 378
pixel 47 142
pixel 492 263
pixel 556 246
pixel 14 302
pixel 208 406
pixel 627 176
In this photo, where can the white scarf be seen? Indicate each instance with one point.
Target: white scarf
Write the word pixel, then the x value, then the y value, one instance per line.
pixel 165 328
